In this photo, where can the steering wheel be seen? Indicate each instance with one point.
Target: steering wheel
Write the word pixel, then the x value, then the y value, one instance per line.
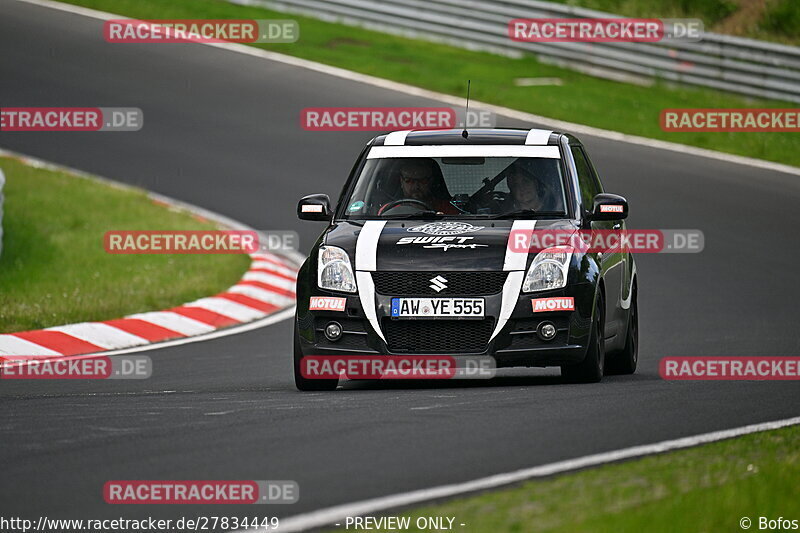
pixel 395 203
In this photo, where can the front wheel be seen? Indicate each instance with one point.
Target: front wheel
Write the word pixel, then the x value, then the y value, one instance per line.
pixel 590 370
pixel 302 383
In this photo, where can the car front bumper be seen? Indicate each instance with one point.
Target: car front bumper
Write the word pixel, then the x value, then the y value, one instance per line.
pixel 516 344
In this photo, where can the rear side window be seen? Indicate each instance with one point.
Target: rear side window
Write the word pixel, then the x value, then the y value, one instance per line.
pixel 587 178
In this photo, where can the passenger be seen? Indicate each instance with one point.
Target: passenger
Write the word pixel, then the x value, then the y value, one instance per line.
pixel 527 192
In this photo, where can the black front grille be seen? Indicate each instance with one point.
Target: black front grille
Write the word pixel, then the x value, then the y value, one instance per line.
pixel 458 283
pixel 437 336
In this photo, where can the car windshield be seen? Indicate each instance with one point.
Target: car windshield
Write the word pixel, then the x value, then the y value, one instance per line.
pixel 480 187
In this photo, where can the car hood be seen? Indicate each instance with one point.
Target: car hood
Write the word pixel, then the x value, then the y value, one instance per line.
pixel 455 245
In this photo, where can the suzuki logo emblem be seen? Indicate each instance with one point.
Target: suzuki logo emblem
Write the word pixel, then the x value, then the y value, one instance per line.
pixel 438 283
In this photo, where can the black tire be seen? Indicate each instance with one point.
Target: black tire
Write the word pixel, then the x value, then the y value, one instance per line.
pixel 590 370
pixel 302 383
pixel 625 362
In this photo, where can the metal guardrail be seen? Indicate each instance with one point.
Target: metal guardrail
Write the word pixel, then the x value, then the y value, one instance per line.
pixel 745 66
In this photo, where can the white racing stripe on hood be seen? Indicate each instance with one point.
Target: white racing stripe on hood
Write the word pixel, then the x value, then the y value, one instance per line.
pixel 515 263
pixel 366 293
pixel 511 289
pixel 367 245
pixel 366 262
pixel 516 260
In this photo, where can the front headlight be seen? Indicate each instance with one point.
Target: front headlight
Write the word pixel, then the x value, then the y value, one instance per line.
pixel 548 270
pixel 334 271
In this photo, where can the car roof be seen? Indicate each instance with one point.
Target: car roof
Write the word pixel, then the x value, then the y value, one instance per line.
pixel 504 136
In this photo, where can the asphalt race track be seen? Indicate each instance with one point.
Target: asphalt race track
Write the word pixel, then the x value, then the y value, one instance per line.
pixel 222 131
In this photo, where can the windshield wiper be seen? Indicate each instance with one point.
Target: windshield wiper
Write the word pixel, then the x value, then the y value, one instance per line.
pixel 525 212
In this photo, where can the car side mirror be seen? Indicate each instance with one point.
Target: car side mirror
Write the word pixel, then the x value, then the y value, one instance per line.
pixel 314 207
pixel 606 206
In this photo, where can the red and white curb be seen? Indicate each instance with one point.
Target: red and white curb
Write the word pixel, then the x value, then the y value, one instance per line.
pixel 267 287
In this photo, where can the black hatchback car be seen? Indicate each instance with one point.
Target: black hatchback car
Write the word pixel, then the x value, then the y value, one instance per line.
pixel 428 252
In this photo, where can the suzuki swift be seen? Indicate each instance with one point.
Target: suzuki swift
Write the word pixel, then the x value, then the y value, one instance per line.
pixel 428 252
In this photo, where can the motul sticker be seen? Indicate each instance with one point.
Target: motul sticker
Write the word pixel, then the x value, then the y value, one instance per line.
pixel 326 303
pixel 553 304
pixel 611 209
pixel 311 208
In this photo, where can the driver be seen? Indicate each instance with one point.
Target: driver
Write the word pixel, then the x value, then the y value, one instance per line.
pixel 416 181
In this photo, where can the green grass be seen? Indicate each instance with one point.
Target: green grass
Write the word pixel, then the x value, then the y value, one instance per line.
pixel 54 269
pixel 582 99
pixel 704 489
pixel 782 18
pixel 711 11
pixel 768 20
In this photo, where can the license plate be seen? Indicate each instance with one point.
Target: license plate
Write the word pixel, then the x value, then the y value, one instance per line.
pixel 437 307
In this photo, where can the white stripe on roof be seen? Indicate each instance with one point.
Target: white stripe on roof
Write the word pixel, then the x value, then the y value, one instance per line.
pixel 460 150
pixel 538 137
pixel 396 138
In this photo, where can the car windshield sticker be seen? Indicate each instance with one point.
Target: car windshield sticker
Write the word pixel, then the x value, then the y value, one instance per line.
pixel 356 206
pixel 442 243
pixel 445 228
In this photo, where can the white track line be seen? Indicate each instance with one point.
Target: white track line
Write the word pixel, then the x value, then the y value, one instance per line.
pixel 330 516
pixel 453 100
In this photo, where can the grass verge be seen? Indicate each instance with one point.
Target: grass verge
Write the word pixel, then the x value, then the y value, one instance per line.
pixel 54 269
pixel 704 489
pixel 771 20
pixel 582 99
